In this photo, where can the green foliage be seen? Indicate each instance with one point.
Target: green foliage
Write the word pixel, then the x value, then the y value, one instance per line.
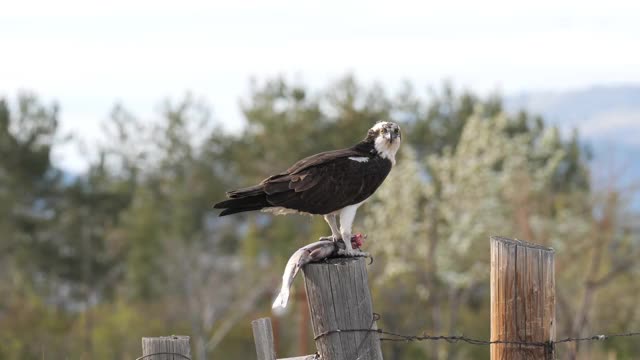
pixel 33 329
pixel 132 248
pixel 28 182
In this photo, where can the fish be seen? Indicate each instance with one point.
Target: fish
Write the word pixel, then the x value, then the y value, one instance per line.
pixel 313 252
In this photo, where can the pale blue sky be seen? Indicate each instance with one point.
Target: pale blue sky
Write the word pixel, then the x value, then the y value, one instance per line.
pixel 87 55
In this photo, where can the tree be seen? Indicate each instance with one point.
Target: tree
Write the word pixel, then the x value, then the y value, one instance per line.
pixel 498 177
pixel 88 257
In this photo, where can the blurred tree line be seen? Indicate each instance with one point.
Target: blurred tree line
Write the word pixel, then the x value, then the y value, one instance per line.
pixel 90 263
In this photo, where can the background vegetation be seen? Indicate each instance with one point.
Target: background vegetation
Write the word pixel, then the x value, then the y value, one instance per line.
pixel 90 263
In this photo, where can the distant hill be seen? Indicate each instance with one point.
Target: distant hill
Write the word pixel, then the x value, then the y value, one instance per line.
pixel 608 120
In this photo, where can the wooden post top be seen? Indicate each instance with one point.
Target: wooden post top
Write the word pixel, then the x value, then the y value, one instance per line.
pixel 166 347
pixel 263 338
pixel 168 338
pixel 518 242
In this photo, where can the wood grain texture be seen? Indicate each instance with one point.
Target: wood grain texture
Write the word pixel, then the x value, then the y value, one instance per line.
pixel 263 338
pixel 339 298
pixel 522 299
pixel 171 346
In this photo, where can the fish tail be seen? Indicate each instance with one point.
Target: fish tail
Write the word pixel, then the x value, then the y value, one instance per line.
pixel 282 299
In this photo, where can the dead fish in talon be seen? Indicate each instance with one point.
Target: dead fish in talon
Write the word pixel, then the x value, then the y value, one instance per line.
pixel 317 250
pixel 313 252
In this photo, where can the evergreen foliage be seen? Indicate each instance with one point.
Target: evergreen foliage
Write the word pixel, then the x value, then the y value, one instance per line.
pixel 92 262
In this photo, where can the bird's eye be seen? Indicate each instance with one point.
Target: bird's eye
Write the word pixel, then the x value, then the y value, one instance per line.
pixel 395 131
pixel 384 130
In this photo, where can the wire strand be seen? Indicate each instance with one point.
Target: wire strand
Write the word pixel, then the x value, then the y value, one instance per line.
pixel 454 339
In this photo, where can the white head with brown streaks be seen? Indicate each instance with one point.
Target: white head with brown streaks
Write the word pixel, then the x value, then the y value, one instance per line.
pixel 386 136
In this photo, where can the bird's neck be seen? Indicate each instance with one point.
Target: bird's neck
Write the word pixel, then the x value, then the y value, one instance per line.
pixel 386 150
pixel 379 147
pixel 366 147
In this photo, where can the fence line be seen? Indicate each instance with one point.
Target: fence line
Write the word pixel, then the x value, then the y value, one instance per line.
pixel 522 281
pixel 459 338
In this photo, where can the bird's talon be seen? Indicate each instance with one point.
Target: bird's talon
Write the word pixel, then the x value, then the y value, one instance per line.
pixel 353 253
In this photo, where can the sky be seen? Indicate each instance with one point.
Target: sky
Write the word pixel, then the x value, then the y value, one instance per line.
pixel 89 55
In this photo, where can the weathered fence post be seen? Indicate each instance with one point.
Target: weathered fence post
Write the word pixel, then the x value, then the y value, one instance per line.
pixel 522 300
pixel 263 338
pixel 174 347
pixel 339 299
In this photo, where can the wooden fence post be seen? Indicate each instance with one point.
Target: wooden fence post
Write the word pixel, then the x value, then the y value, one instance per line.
pixel 339 299
pixel 522 299
pixel 174 347
pixel 263 338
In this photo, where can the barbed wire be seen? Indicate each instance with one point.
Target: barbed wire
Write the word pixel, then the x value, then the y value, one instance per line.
pixel 597 337
pixel 455 338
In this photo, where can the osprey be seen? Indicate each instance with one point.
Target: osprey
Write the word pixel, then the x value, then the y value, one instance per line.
pixel 333 184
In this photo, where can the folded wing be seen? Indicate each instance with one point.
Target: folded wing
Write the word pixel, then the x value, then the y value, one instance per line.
pixel 319 184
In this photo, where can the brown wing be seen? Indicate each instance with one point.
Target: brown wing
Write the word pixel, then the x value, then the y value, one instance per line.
pixel 325 183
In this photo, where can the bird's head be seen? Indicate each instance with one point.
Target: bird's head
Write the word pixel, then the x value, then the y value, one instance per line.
pixel 386 137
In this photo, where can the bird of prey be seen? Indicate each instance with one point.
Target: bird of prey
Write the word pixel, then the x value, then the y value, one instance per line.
pixel 332 184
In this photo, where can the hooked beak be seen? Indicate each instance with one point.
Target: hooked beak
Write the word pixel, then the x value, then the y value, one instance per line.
pixel 390 136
